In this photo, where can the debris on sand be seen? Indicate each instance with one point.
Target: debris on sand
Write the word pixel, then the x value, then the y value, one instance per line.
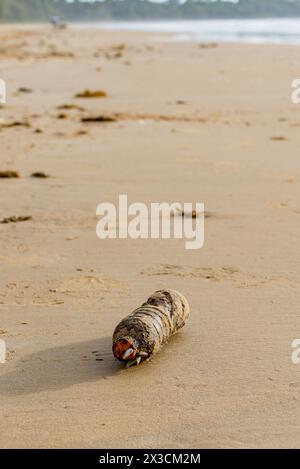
pixel 208 45
pixel 194 214
pixel 125 116
pixel 119 47
pixel 115 55
pixel 115 52
pixel 278 138
pixel 23 89
pixel 91 94
pixel 67 107
pixel 9 174
pixel 59 54
pixel 9 125
pixel 39 174
pixel 62 115
pixel 141 334
pixel 15 219
pixel 101 118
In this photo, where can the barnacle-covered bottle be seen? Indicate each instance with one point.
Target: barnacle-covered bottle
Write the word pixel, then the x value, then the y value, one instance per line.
pixel 141 334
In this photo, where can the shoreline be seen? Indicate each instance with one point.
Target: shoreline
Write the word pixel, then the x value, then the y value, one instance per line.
pixel 189 31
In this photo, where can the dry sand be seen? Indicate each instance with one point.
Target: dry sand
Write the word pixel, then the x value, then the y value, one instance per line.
pixel 197 124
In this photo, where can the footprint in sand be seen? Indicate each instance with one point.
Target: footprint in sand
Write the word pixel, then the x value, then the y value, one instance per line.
pixel 197 272
pixel 89 283
pixel 289 205
pixel 219 274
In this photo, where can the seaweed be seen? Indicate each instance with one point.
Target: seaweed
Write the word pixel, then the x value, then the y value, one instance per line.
pixel 91 94
pixel 9 174
pixel 15 219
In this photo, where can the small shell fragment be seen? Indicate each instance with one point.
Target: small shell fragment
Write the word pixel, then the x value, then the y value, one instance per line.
pixel 141 334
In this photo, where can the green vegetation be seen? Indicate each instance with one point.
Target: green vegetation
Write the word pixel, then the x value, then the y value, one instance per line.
pixel 41 10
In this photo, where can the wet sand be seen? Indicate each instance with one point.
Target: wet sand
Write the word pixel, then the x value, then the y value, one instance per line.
pixel 190 124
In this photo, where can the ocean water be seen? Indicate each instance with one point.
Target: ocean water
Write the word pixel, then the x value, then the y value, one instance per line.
pixel 274 31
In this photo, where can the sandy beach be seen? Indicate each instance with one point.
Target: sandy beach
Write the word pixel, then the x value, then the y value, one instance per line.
pixel 189 123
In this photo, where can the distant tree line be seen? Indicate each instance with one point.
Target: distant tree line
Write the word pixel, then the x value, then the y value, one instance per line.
pixel 41 10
